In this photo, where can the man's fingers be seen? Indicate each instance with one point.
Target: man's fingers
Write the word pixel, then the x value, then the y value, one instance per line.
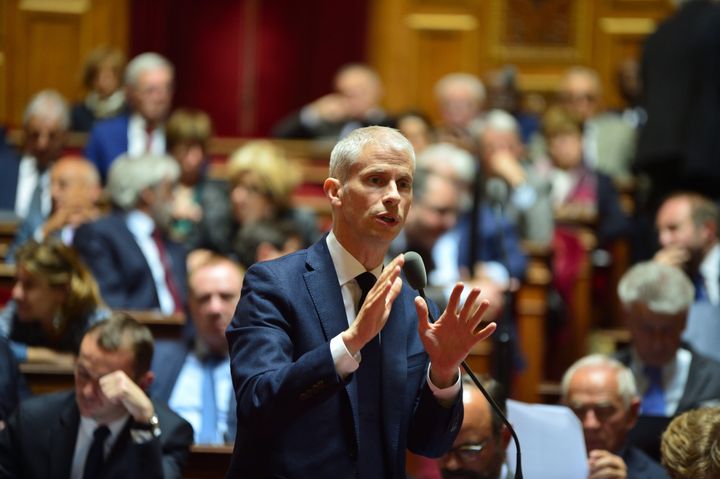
pixel 454 301
pixel 422 312
pixel 485 332
pixel 469 306
pixel 478 315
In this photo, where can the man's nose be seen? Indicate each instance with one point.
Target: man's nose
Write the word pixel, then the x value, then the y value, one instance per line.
pixel 590 421
pixel 392 195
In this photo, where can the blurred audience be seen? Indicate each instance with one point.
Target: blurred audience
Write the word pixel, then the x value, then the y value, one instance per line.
pixel 460 98
pixel 149 85
pixel 25 179
pixel 12 383
pixel 687 227
pixel 354 104
pixel 417 128
pixel 265 240
pixel 193 377
pixel 54 299
pixel 602 394
pixel 503 94
pixel 691 445
pixel 75 192
pixel 134 261
pixel 107 426
pixel 102 78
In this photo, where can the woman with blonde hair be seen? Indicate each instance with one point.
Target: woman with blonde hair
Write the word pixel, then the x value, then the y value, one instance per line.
pixel 54 299
pixel 690 446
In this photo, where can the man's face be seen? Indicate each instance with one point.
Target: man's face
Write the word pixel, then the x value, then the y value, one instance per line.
pixel 593 397
pixel 461 461
pixel 71 184
pixel 374 199
pixel 250 202
pixel 676 229
pixel 360 90
pixel 44 139
pixel 151 96
pixel 434 214
pixel 495 141
pixel 566 150
pixel 161 203
pixel 92 364
pixel 580 95
pixel 214 294
pixel 656 337
pixel 458 106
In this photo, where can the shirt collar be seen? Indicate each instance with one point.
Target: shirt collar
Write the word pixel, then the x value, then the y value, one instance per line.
pixel 711 263
pixel 140 224
pixel 88 425
pixel 346 266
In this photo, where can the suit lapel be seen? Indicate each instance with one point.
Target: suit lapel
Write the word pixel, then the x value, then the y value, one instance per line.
pixel 63 437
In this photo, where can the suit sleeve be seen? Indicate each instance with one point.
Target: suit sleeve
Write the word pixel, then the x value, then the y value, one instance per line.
pixel 273 384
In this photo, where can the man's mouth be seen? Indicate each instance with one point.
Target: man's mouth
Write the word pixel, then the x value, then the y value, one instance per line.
pixel 388 219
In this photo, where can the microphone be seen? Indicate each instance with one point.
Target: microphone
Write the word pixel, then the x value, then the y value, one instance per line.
pixel 497 192
pixel 414 270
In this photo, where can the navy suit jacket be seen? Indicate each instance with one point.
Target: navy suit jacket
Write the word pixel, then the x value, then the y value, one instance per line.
pixel 39 442
pixel 12 383
pixel 10 168
pixel 641 466
pixel 296 417
pixel 109 249
pixel 108 140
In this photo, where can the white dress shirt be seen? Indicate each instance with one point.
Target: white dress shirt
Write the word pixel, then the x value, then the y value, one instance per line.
pixel 86 430
pixel 674 378
pixel 27 182
pixel 710 271
pixel 138 137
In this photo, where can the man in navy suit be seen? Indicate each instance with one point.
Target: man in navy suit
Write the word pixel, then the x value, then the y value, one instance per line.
pixel 337 370
pixel 193 377
pixel 601 391
pixel 134 262
pixel 149 87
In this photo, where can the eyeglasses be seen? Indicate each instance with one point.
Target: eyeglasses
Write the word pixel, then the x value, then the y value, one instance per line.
pixel 468 452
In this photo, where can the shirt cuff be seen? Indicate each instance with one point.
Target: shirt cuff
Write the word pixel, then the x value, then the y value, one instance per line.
pixel 345 363
pixel 447 394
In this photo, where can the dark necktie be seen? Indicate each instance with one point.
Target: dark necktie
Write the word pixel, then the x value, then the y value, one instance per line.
pixel 96 455
pixel 35 209
pixel 370 457
pixel 700 290
pixel 169 279
pixel 653 401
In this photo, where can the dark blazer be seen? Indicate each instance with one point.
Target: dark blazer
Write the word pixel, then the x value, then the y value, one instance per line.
pixel 39 442
pixel 12 383
pixel 641 466
pixel 108 140
pixel 10 168
pixel 703 383
pixel 109 249
pixel 296 417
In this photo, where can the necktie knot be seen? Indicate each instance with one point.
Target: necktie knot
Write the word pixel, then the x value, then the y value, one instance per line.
pixel 366 281
pixel 653 374
pixel 101 433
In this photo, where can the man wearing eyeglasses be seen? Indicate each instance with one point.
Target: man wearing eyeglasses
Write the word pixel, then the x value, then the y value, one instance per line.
pixel 479 449
pixel 602 394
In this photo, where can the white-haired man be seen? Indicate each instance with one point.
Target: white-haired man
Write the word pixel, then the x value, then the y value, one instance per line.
pixel 136 265
pixel 602 393
pixel 25 179
pixel 149 84
pixel 460 98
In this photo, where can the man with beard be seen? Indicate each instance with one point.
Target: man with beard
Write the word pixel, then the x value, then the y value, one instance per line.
pixel 135 263
pixel 687 225
pixel 479 449
pixel 602 394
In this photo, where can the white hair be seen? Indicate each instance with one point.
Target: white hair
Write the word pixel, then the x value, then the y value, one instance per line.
pixel 500 120
pixel 447 155
pixel 348 150
pixel 662 288
pixel 469 81
pixel 48 104
pixel 143 63
pixel 130 175
pixel 627 389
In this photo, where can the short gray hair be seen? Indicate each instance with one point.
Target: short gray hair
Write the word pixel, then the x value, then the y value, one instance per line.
pixel 662 288
pixel 48 104
pixel 471 82
pixel 627 389
pixel 129 176
pixel 348 150
pixel 143 63
pixel 457 159
pixel 500 120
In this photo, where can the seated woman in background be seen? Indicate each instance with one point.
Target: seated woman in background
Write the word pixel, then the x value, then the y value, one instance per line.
pixel 54 299
pixel 690 446
pixel 262 181
pixel 102 77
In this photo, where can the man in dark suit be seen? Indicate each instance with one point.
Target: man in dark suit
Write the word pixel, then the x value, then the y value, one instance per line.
pixel 335 366
pixel 134 262
pixel 602 393
pixel 12 384
pixel 108 427
pixel 354 104
pixel 193 377
pixel 149 89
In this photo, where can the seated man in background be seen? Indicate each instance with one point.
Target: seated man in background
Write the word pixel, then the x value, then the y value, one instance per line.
pixel 460 98
pixel 479 449
pixel 25 178
pixel 690 446
pixel 193 377
pixel 75 190
pixel 136 265
pixel 149 90
pixel 354 104
pixel 265 240
pixel 602 393
pixel 107 427
pixel 12 383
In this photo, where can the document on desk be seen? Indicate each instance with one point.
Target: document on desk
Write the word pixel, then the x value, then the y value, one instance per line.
pixel 551 441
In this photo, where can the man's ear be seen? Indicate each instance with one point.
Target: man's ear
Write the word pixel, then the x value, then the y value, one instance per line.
pixel 145 380
pixel 333 190
pixel 633 413
pixel 146 196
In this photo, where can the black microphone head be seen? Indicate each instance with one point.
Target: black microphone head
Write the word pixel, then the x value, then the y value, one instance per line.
pixel 497 191
pixel 414 270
